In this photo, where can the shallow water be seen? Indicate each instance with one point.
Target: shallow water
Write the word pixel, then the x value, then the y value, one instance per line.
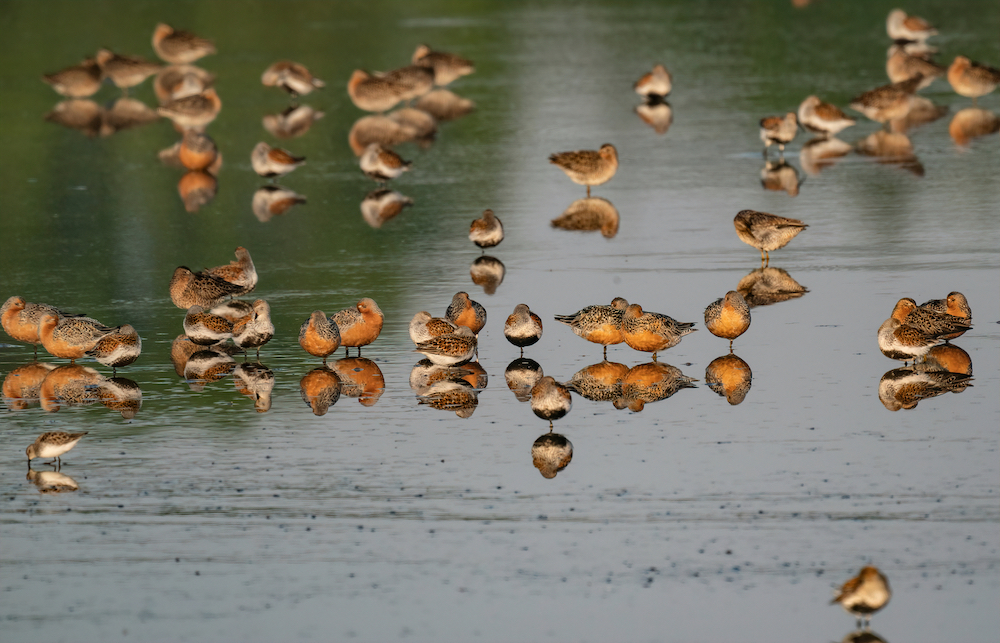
pixel 691 520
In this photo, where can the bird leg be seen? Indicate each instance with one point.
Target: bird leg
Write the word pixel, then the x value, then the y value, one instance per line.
pixel 588 191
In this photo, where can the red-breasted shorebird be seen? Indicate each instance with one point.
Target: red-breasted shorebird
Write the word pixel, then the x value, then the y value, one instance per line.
pixel 728 317
pixel 954 304
pixel 198 151
pixel 450 349
pixel 125 71
pixel 381 164
pixel 652 332
pixel 465 312
pixel 255 330
pixel 360 325
pixel 972 79
pixel 194 111
pixel 53 444
pixel 179 47
pixel 381 205
pixel 550 400
pixel 588 167
pixel 486 231
pixel 447 67
pixel 292 77
pixel 20 319
pixel 373 93
pixel 900 26
pixel 294 121
pixel 551 453
pixel 822 118
pixel 118 349
pixel 929 321
pixel 204 328
pixel 273 201
pixel 70 337
pixel 905 343
pixel 319 335
pixel 901 66
pixel 270 161
pixel 654 85
pixel 865 594
pixel 598 323
pixel 778 129
pixel 240 272
pixel 78 81
pixel 887 102
pixel 766 232
pixel 423 327
pixel 177 81
pixel 189 288
pixel 444 105
pixel 523 327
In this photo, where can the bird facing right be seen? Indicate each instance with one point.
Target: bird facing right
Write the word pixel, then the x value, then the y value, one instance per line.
pixel 270 161
pixel 766 232
pixel 865 594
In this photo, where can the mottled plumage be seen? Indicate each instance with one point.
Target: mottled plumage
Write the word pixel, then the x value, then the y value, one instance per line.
pixel 319 335
pixel 78 81
pixel 823 118
pixel 865 594
pixel 521 375
pixel 292 77
pixel 486 231
pixel 905 343
pixel 53 444
pixel 551 453
pixel 423 327
pixel 194 111
pixel 523 327
pixel 652 382
pixel 903 388
pixel 588 167
pixel 766 232
pixel 381 164
pixel 20 319
pixel 730 377
pixel 601 382
pixel 189 288
pixel 929 321
pixel 240 272
pixel 255 330
pixel 320 389
pixel 360 325
pixel 728 317
pixel 465 312
pixel 972 79
pixel 887 102
pixel 117 349
pixel 652 332
pixel 447 67
pixel 459 397
pixel 550 400
pixel 450 349
pixel 179 47
pixel 206 329
pixel 598 323
pixel 273 161
pixel 954 304
pixel 778 129
pixel 70 337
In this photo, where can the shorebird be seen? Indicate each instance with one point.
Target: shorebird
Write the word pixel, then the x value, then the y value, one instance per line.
pixel 865 594
pixel 551 453
pixel 241 272
pixel 588 167
pixel 954 304
pixel 971 79
pixel 929 321
pixel 78 81
pixel 70 337
pixel 447 67
pixel 189 288
pixel 654 85
pixel 270 161
pixel 255 330
pixel 20 319
pixel 204 328
pixel 381 164
pixel 177 81
pixel 444 105
pixel 523 327
pixel 900 26
pixel 410 82
pixel 465 312
pixel 179 47
pixel 292 77
pixel 53 444
pixel 294 121
pixel 778 129
pixel 598 323
pixel 423 327
pixel 450 349
pixel 822 118
pixel 901 66
pixel 125 71
pixel 198 151
pixel 520 375
pixel 273 201
pixel 730 377
pixel 652 332
pixel 550 400
pixel 766 232
pixel 359 326
pixel 486 231
pixel 887 102
pixel 383 204
pixel 905 343
pixel 117 349
pixel 728 317
pixel 194 111
pixel 373 93
pixel 319 335
pixel 234 310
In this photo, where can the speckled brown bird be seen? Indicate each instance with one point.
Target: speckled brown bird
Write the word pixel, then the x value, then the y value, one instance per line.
pixel 486 231
pixel 410 82
pixel 766 232
pixel 551 453
pixel 822 118
pixel 78 81
pixel 188 288
pixel 423 327
pixel 588 167
pixel 652 382
pixel 293 77
pixel 125 71
pixel 360 325
pixel 550 400
pixel 655 84
pixel 929 321
pixel 450 349
pixel 319 335
pixel 20 319
pixel 320 389
pixel 240 272
pixel 887 102
pixel 447 67
pixel 652 332
pixel 954 304
pixel 118 349
pixel 381 164
pixel 865 594
pixel 900 26
pixel 523 327
pixel 373 93
pixel 905 343
pixel 179 47
pixel 448 395
pixel 194 111
pixel 204 328
pixel 465 312
pixel 70 337
pixel 270 161
pixel 53 444
pixel 522 374
pixel 778 129
pixel 255 330
pixel 728 317
pixel 598 323
pixel 972 79
pixel 901 66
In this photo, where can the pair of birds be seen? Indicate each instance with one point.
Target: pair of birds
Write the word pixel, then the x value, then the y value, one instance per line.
pixel 623 322
pixel 813 115
pixel 359 326
pixel 912 331
pixel 69 336
pixel 452 339
pixel 248 327
pixel 380 92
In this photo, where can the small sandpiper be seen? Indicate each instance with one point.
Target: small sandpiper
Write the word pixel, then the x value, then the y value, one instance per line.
pixel 652 332
pixel 486 231
pixel 53 444
pixel 447 67
pixel 255 330
pixel 822 118
pixel 728 317
pixel 778 129
pixel 450 349
pixel 270 161
pixel 381 164
pixel 292 77
pixel 865 594
pixel 465 312
pixel 550 400
pixel 899 341
pixel 766 232
pixel 588 167
pixel 319 335
pixel 118 349
pixel 359 326
pixel 655 85
pixel 900 26
pixel 179 47
pixel 204 328
pixel 423 327
pixel 523 327
pixel 598 323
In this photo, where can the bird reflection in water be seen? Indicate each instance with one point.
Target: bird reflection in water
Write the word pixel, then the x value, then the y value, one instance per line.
pixel 51 481
pixel 971 123
pixel 126 113
pixel 444 105
pixel 426 374
pixel 586 215
pixel 449 395
pixel 21 387
pixel 320 389
pixel 820 153
pixel 551 453
pixel 922 111
pixel 272 201
pixel 779 176
pixel 255 380
pixel 903 388
pixel 381 205
pixel 182 348
pixel 423 125
pixel 863 636
pixel 207 366
pixel 80 114
pixel 890 148
pixel 378 129
pixel 657 114
pixel 69 384
pixel 766 286
pixel 120 394
pixel 730 377
pixel 601 382
pixel 949 357
pixel 361 378
pixel 652 382
pixel 197 189
pixel 487 272
pixel 177 81
pixel 521 375
pixel 295 121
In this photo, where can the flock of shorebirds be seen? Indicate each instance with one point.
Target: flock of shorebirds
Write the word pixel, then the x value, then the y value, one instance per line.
pixel 213 315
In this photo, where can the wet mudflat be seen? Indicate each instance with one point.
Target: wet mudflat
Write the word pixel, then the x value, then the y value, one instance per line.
pixel 687 518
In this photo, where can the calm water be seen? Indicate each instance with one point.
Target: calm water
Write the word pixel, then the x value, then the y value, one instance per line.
pixel 692 520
